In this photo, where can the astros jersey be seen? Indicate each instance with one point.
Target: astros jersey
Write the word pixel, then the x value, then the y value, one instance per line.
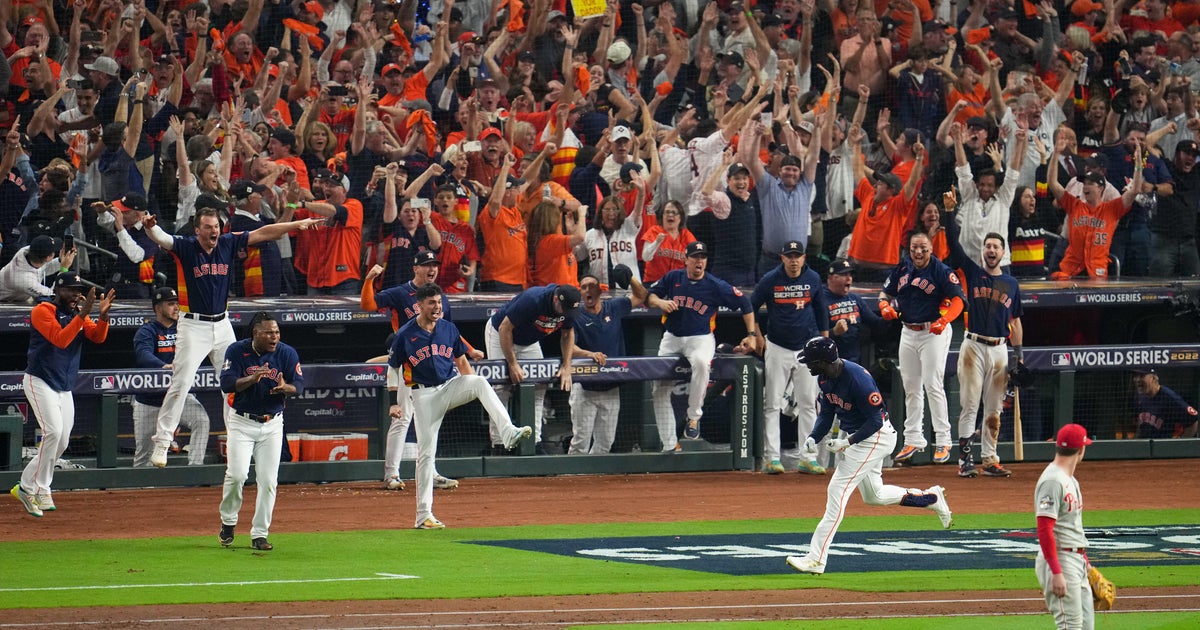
pixel 241 359
pixel 698 301
pixel 854 397
pixel 204 277
pixel 920 291
pixel 791 310
pixel 55 344
pixel 992 301
pixel 153 347
pixel 833 308
pixel 1058 497
pixel 532 315
pixel 1089 234
pixel 403 302
pixel 427 358
pixel 601 332
pixel 1159 416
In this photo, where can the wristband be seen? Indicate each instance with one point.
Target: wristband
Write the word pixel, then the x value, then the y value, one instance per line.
pixel 1019 353
pixel 64 269
pixel 293 206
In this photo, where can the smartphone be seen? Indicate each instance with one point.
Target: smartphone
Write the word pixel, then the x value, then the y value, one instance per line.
pixel 420 204
pixel 473 72
pixel 68 242
pixel 339 90
pixel 766 119
pixel 474 146
pixel 1126 69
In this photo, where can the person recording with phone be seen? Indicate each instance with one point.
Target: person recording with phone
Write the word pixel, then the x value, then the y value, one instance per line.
pixel 27 276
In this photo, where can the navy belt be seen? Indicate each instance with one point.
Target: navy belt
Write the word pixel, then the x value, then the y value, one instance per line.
pixel 204 317
pixel 259 418
pixel 423 386
pixel 985 340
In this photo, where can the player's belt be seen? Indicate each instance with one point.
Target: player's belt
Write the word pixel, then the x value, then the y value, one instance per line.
pixel 421 386
pixel 921 326
pixel 1079 550
pixel 204 317
pixel 985 340
pixel 259 418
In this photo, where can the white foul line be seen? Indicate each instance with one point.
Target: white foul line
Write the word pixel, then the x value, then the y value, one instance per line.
pixel 381 576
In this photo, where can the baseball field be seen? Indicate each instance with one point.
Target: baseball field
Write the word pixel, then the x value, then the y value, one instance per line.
pixel 701 550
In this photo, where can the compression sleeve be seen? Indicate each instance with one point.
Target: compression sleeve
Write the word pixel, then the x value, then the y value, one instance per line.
pixel 955 309
pixel 46 324
pixel 1049 546
pixel 366 300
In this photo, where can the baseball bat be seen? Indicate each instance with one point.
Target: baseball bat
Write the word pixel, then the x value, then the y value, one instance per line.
pixel 1018 434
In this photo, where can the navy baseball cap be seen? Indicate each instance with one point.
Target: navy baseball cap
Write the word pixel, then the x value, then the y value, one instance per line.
pixel 42 246
pixel 735 168
pixel 1187 146
pixel 568 298
pixel 243 188
pixel 696 248
pixel 1094 177
pixel 68 279
pixel 131 202
pixel 792 247
pixel 628 169
pixel 165 294
pixel 840 266
pixel 426 258
pixel 513 182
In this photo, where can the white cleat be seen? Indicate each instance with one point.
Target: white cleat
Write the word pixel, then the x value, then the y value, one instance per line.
pixel 805 564
pixel 45 501
pixel 941 507
pixel 393 483
pixel 518 435
pixel 444 483
pixel 159 457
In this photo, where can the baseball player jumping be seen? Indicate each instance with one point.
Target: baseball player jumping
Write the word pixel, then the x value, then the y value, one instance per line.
pixel 849 392
pixel 431 354
pixel 994 303
pixel 915 293
pixel 205 264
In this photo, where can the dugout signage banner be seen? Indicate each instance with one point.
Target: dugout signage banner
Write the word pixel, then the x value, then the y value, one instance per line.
pixel 1058 359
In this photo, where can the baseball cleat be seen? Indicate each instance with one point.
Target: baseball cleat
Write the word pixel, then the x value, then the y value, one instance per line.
pixel 941 454
pixel 393 483
pixel 431 523
pixel 261 544
pixel 906 453
pixel 444 483
pixel 45 501
pixel 159 457
pixel 992 470
pixel 225 536
pixel 940 506
pixel 967 469
pixel 522 433
pixel 773 467
pixel 805 564
pixel 692 430
pixel 26 499
pixel 811 468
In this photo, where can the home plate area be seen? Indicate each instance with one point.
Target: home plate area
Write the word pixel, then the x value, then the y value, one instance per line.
pixel 855 552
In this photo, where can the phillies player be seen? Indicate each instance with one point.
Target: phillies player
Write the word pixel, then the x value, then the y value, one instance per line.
pixel 689 299
pixel 54 349
pixel 431 354
pixel 204 263
pixel 1062 563
pixel 994 304
pixel 257 375
pixel 788 292
pixel 914 293
pixel 848 391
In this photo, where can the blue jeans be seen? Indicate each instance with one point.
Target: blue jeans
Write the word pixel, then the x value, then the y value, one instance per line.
pixel 1131 245
pixel 349 287
pixel 1174 257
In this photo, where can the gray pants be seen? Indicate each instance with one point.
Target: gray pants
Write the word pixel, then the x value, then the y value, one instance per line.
pixel 145 422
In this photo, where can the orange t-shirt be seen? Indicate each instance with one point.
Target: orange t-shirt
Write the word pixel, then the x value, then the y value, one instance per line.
pixel 1089 234
pixel 554 263
pixel 297 165
pixel 333 252
pixel 878 232
pixel 671 254
pixel 414 90
pixel 534 195
pixel 505 246
pixel 976 102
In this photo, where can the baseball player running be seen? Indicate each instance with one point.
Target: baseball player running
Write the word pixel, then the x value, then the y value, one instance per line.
pixel 205 263
pixel 689 299
pixel 788 292
pixel 1062 563
pixel 848 391
pixel 154 348
pixel 258 374
pixel 431 354
pixel 54 348
pixel 994 303
pixel 925 296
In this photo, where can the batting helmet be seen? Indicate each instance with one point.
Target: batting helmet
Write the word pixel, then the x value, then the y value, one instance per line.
pixel 818 349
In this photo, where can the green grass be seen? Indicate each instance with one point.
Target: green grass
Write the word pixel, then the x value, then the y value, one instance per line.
pixel 1104 621
pixel 182 569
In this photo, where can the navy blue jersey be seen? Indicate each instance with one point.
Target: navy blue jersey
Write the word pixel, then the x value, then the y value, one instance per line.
pixel 403 300
pixel 241 359
pixel 698 301
pixel 791 310
pixel 992 301
pixel 56 343
pixel 427 358
pixel 832 308
pixel 532 315
pixel 204 278
pixel 854 397
pixel 602 332
pixel 1160 415
pixel 153 347
pixel 920 291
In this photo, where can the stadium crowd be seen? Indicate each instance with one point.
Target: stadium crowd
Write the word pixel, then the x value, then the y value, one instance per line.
pixel 626 135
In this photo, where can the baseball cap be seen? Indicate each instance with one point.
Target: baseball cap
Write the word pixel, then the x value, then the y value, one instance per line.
pixel 165 294
pixel 791 160
pixel 1072 436
pixel 890 179
pixel 621 131
pixel 164 60
pixel 1188 146
pixel 697 248
pixel 618 51
pixel 840 266
pixel 284 136
pixel 41 246
pixel 130 202
pixel 937 24
pixel 628 169
pixel 1096 160
pixel 104 64
pixel 735 168
pixel 805 126
pixel 209 200
pixel 426 258
pixel 526 56
pixel 792 247
pixel 979 121
pixel 513 182
pixel 470 37
pixel 1093 176
pixel 391 67
pixel 1007 14
pixel 325 174
pixel 68 279
pixel 489 132
pixel 486 82
pixel 568 298
pixel 732 58
pixel 243 188
pixel 772 19
pixel 555 14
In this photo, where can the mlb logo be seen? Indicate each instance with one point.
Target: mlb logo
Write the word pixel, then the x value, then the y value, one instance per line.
pixel 289 317
pixel 104 382
pixel 1060 359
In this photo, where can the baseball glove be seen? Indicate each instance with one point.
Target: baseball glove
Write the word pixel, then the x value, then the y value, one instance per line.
pixel 1021 376
pixel 1103 591
pixel 621 276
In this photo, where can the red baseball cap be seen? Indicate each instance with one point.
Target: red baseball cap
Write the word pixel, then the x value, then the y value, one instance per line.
pixel 1072 436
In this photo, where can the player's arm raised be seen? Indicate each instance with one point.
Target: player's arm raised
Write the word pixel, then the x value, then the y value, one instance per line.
pixel 157 234
pixel 1135 187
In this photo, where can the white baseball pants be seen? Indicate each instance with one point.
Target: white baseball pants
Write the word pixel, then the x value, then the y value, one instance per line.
pixel 1076 611
pixel 145 424
pixel 780 367
pixel 196 340
pixel 593 419
pixel 55 412
pixel 699 351
pixel 923 372
pixel 264 443
pixel 982 376
pixel 491 339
